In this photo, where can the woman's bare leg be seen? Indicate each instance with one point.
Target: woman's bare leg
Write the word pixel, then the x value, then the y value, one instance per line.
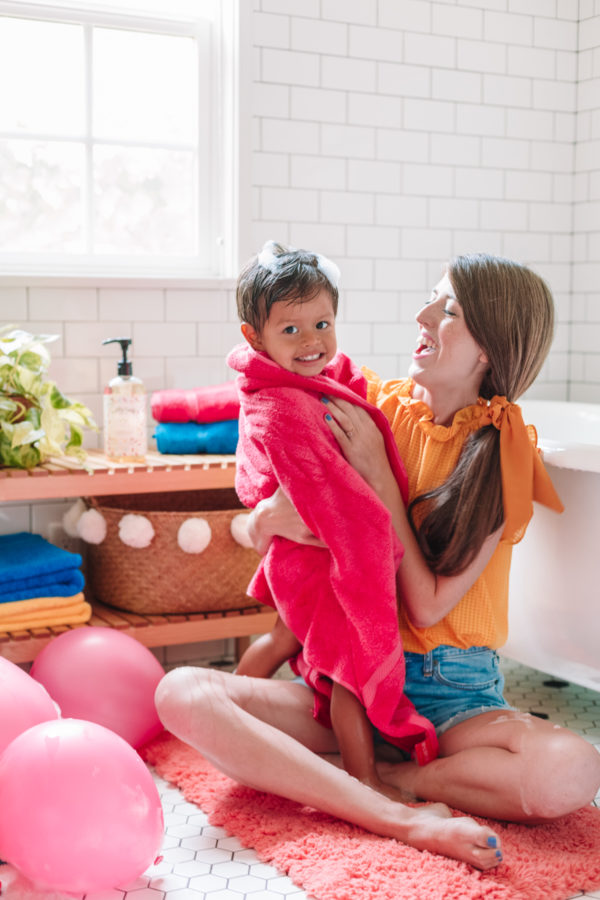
pixel 262 734
pixel 508 765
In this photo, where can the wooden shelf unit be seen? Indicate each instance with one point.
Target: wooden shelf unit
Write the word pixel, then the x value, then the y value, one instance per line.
pixel 64 478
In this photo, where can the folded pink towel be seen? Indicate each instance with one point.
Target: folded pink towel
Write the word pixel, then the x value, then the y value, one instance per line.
pixel 214 403
pixel 340 602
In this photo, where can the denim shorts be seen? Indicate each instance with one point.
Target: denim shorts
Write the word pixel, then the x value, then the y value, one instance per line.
pixel 449 685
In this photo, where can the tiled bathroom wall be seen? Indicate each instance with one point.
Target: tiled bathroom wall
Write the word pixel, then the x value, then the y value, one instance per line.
pixel 393 135
pixel 584 373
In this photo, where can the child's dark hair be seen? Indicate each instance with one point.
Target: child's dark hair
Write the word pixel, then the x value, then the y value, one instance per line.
pixel 289 275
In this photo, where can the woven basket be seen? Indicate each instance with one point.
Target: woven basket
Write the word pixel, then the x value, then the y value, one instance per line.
pixel 162 578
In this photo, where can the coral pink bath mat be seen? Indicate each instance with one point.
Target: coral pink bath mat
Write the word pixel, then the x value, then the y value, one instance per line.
pixel 333 860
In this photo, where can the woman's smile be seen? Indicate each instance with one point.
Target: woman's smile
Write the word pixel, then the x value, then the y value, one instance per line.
pixel 425 346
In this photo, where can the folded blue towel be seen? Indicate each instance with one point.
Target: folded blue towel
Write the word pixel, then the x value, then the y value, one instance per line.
pixel 191 437
pixel 31 567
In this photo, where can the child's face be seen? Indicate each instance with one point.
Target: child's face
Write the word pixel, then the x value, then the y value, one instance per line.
pixel 300 337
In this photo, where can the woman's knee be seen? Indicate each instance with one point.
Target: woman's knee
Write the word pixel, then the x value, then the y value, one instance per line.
pixel 182 695
pixel 564 775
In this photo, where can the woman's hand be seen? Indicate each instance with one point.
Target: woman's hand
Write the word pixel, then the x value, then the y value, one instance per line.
pixel 277 516
pixel 359 438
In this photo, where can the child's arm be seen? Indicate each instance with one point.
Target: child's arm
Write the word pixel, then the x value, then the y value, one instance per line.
pixel 266 654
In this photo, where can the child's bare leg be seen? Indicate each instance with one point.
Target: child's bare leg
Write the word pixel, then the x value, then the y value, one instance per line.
pixel 268 652
pixel 354 734
pixel 262 734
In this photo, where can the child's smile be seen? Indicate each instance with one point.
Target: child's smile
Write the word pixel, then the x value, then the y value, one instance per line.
pixel 299 335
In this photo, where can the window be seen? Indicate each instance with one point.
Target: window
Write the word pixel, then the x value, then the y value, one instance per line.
pixel 116 137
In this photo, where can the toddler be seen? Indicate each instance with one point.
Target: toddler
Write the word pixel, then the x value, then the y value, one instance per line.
pixel 337 601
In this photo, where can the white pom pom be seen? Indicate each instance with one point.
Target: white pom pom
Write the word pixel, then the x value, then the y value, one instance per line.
pixel 72 516
pixel 136 531
pixel 92 526
pixel 239 530
pixel 194 535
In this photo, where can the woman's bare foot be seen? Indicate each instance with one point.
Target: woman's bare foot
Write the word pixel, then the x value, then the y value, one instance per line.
pixel 432 827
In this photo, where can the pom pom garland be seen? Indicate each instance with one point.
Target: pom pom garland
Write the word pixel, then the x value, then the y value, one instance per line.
pixel 136 531
pixel 92 526
pixel 239 530
pixel 194 535
pixel 72 517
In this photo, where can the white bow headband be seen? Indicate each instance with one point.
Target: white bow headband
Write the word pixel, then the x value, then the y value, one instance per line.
pixel 270 261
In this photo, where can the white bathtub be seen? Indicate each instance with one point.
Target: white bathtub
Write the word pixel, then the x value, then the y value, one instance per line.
pixel 554 612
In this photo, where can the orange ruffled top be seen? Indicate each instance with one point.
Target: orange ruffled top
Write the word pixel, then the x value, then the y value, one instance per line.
pixel 430 453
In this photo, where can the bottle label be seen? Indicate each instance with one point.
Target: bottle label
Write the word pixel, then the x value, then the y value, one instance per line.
pixel 125 425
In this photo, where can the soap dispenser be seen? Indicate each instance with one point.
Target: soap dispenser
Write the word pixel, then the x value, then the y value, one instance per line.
pixel 125 436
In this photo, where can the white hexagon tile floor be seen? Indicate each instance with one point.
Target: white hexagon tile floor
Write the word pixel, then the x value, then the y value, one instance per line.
pixel 200 862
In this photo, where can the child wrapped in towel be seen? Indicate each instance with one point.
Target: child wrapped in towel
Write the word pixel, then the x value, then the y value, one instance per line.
pixel 341 608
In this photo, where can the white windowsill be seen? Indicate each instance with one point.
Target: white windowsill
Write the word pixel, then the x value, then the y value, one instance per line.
pixel 132 281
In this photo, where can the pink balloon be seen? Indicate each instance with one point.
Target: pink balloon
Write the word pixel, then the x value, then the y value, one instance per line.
pixel 80 811
pixel 23 702
pixel 104 676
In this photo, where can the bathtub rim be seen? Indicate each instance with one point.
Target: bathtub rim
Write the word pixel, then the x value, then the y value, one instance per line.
pixel 583 456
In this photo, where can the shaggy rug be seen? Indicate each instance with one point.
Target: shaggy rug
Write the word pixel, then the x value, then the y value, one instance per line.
pixel 333 860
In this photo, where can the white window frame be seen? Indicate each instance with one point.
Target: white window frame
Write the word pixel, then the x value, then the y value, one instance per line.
pixel 228 158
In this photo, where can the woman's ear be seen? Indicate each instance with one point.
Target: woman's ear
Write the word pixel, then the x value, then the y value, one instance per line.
pixel 483 358
pixel 251 336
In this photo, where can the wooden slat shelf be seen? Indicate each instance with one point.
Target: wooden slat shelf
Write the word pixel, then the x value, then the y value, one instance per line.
pixel 63 478
pixel 151 631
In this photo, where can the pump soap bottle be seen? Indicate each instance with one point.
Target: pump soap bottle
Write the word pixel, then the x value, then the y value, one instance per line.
pixel 125 438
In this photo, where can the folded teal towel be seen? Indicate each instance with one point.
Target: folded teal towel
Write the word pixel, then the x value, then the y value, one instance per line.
pixel 31 567
pixel 191 437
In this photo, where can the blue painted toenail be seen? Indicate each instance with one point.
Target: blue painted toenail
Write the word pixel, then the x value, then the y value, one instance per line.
pixel 499 855
pixel 492 841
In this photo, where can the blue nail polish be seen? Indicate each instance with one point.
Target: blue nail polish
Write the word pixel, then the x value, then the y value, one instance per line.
pixel 328 417
pixel 324 399
pixel 499 855
pixel 492 841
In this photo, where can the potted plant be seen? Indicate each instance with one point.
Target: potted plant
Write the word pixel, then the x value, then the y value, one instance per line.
pixel 36 420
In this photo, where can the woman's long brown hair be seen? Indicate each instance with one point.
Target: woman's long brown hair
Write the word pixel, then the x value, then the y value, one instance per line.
pixel 509 311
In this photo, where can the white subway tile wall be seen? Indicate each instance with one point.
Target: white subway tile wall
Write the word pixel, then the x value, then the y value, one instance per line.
pixel 584 342
pixel 440 128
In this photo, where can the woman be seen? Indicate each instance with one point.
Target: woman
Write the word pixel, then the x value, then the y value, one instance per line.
pixel 484 333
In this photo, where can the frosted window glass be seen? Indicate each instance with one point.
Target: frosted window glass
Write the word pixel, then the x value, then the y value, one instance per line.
pixel 41 196
pixel 41 65
pixel 144 201
pixel 145 86
pixel 110 136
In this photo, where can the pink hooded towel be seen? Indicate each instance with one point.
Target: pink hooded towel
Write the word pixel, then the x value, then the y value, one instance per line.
pixel 339 601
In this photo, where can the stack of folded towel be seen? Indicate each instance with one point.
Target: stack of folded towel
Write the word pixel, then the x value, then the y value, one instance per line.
pixel 198 420
pixel 40 584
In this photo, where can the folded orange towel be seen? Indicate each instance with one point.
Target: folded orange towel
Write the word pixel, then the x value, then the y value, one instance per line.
pixel 41 612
